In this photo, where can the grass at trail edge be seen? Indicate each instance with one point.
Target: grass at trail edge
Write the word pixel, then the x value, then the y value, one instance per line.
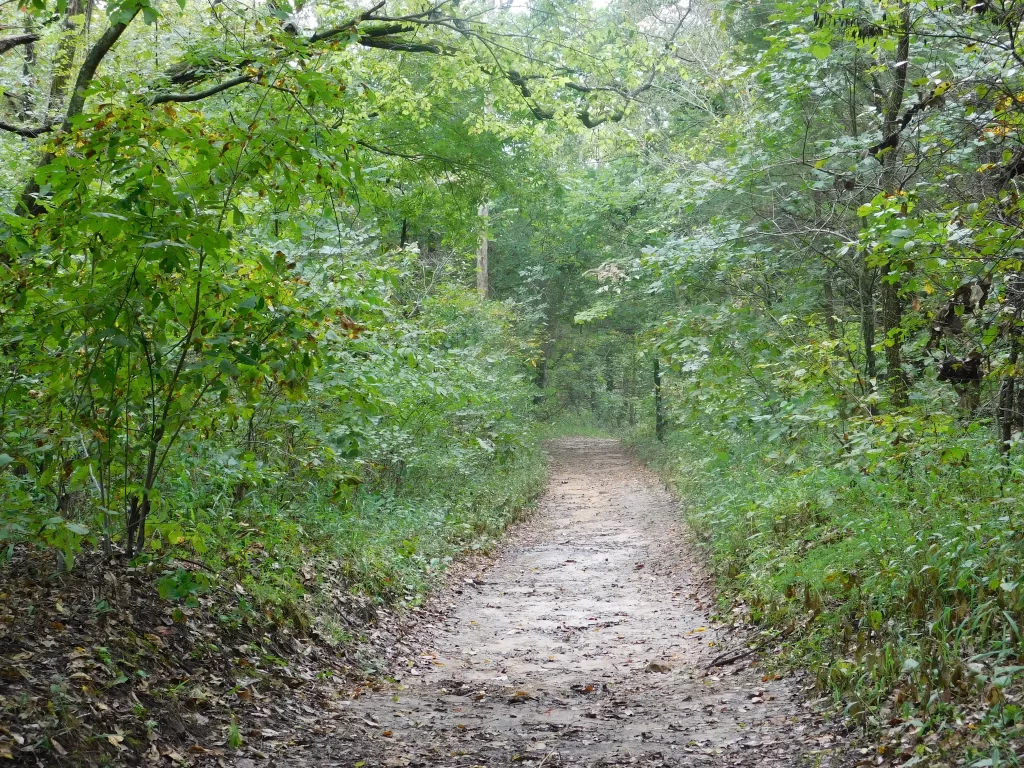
pixel 900 589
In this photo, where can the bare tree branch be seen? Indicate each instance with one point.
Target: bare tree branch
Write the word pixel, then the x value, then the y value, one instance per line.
pixel 327 34
pixel 28 133
pixel 164 98
pixel 7 43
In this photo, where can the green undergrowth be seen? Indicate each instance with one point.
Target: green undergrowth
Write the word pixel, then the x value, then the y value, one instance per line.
pixel 387 544
pixel 574 424
pixel 895 575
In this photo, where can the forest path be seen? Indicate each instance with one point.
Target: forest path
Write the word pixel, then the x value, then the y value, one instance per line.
pixel 584 643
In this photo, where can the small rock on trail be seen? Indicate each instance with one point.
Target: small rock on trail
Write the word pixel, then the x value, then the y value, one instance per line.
pixel 585 643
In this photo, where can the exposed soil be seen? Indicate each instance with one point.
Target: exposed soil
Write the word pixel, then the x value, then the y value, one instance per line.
pixel 585 643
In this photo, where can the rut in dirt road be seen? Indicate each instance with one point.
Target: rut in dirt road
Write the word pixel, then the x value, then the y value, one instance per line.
pixel 586 643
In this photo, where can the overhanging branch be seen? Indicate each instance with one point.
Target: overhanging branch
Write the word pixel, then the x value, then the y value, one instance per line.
pixel 27 132
pixel 165 98
pixel 7 43
pixel 92 61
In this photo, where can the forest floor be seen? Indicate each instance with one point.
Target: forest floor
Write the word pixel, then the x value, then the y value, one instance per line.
pixel 587 641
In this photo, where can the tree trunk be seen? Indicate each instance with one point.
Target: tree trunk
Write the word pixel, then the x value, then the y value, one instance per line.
pixel 659 410
pixel 30 205
pixel 892 304
pixel 26 103
pixel 64 59
pixel 828 290
pixel 481 252
pixel 892 321
pixel 632 387
pixel 867 321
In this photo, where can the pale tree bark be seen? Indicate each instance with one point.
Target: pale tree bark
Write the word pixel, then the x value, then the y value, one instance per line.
pixel 482 278
pixel 482 265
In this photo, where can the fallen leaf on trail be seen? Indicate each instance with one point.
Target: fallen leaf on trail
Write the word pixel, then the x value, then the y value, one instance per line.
pixel 387 734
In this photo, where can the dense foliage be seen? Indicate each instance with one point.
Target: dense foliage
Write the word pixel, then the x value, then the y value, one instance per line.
pixel 779 244
pixel 235 241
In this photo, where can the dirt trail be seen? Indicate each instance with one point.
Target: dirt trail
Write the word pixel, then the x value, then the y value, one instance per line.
pixel 585 643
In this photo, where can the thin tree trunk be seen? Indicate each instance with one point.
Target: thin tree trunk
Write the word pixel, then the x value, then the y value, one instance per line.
pixel 30 205
pixel 892 321
pixel 481 252
pixel 632 386
pixel 64 60
pixel 828 289
pixel 26 103
pixel 892 304
pixel 867 321
pixel 659 410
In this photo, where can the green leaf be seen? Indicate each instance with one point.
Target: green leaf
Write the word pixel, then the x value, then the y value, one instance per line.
pixel 821 50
